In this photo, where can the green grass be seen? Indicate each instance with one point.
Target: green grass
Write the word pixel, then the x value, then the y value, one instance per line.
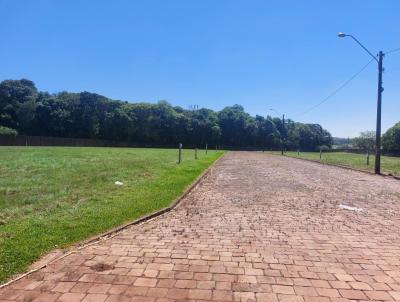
pixel 51 197
pixel 389 165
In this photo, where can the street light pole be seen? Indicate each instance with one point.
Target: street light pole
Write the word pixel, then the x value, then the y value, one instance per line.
pixel 379 101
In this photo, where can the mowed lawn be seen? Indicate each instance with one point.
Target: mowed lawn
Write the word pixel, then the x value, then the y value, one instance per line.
pixel 389 165
pixel 51 197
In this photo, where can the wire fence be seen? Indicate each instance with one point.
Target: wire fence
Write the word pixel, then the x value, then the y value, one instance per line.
pixel 361 151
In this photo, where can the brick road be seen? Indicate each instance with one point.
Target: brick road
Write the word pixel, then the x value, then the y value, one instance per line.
pixel 258 228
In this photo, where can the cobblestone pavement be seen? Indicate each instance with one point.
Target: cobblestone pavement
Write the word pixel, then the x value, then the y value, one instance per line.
pixel 258 228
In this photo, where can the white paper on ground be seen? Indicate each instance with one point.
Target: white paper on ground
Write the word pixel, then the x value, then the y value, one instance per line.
pixel 349 208
pixel 119 183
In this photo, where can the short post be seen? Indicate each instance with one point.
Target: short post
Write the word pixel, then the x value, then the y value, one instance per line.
pixel 195 153
pixel 180 154
pixel 320 153
pixel 206 148
pixel 368 158
pixel 298 152
pixel 216 147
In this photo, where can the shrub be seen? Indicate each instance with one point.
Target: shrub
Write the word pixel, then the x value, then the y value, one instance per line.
pixel 5 131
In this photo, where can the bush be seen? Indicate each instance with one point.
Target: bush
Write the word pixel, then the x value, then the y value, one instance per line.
pixel 5 131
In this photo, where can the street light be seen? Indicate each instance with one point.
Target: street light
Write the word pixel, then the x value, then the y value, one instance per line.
pixel 379 102
pixel 283 128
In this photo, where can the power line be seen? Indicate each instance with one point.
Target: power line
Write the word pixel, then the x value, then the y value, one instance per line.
pixel 392 51
pixel 337 90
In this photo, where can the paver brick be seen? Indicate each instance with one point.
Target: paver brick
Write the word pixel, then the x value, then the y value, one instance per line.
pixel 95 298
pixel 283 289
pixel 378 295
pixel 71 297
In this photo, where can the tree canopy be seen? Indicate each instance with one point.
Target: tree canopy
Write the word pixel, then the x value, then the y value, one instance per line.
pixel 89 115
pixel 391 139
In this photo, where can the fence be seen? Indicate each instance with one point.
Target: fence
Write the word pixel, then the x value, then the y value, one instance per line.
pixel 24 140
pixel 360 151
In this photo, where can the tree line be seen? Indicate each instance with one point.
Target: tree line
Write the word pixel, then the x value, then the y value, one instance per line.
pixel 366 141
pixel 25 110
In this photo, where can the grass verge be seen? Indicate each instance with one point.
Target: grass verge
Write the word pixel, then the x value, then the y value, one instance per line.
pixel 51 197
pixel 389 165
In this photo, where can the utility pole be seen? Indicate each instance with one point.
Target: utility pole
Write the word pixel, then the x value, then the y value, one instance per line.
pixel 379 115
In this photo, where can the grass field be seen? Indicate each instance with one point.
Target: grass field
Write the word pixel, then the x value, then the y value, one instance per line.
pixel 389 165
pixel 51 197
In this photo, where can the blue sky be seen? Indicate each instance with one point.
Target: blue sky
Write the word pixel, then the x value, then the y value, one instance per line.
pixel 214 53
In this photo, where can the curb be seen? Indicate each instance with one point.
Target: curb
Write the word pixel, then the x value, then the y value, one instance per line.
pixel 115 231
pixel 342 166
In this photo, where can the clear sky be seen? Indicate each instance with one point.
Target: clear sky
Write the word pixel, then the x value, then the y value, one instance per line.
pixel 214 53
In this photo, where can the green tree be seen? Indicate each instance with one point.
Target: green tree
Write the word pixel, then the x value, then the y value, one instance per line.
pixel 391 139
pixel 17 104
pixel 203 127
pixel 365 141
pixel 117 125
pixel 234 124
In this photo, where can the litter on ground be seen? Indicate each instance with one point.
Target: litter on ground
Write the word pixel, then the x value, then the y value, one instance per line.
pixel 349 208
pixel 119 183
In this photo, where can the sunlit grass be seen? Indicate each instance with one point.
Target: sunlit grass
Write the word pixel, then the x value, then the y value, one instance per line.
pixel 389 165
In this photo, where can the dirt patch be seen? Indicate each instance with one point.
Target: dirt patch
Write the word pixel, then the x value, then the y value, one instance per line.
pixel 101 267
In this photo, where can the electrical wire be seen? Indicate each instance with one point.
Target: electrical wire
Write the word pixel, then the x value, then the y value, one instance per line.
pixel 337 89
pixel 392 51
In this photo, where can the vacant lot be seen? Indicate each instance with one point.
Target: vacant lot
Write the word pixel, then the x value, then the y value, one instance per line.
pixel 390 165
pixel 52 197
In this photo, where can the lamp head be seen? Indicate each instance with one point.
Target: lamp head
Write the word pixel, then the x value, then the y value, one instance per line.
pixel 341 35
